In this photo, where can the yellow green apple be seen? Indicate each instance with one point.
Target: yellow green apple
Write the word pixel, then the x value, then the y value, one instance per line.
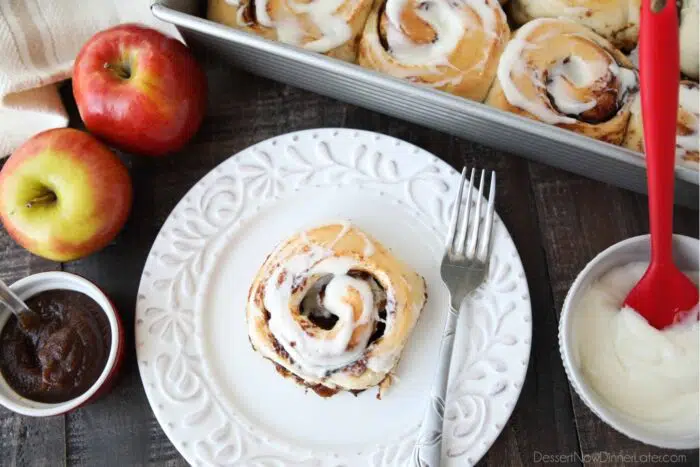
pixel 64 194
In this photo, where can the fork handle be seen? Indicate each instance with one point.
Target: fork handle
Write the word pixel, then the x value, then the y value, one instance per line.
pixel 428 449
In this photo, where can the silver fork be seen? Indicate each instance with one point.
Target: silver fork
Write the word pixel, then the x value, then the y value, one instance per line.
pixel 463 269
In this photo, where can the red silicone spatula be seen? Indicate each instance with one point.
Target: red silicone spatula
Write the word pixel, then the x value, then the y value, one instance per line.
pixel 663 292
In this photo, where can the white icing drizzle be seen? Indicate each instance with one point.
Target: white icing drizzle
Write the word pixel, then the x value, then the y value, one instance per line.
pixel 240 18
pixel 261 14
pixel 688 98
pixel 449 21
pixel 575 72
pixel 629 80
pixel 290 32
pixel 369 246
pixel 334 29
pixel 316 352
pixel 343 231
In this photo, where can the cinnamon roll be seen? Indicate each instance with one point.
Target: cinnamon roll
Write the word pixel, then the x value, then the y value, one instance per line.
pixel 451 45
pixel 687 126
pixel 332 308
pixel 564 74
pixel 330 27
pixel 615 20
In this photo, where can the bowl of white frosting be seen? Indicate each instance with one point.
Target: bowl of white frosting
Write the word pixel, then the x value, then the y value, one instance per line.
pixel 641 381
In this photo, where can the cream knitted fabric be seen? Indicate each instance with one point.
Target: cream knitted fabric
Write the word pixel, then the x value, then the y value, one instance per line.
pixel 39 40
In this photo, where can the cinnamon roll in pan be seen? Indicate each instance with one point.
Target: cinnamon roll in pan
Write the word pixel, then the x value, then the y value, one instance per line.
pixel 330 27
pixel 562 73
pixel 451 45
pixel 616 20
pixel 333 309
pixel 687 126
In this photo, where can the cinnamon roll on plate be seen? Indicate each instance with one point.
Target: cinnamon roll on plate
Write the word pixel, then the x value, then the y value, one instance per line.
pixel 451 45
pixel 559 72
pixel 330 27
pixel 687 126
pixel 332 308
pixel 615 20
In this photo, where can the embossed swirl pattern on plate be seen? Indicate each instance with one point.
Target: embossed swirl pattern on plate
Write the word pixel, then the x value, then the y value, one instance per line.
pixel 483 388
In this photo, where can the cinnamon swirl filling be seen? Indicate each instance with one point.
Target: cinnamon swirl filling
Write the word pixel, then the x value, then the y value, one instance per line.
pixel 589 93
pixel 312 306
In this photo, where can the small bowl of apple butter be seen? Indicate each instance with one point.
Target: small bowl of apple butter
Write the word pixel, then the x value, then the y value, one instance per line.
pixel 70 354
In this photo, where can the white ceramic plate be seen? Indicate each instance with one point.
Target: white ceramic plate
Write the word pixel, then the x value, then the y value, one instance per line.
pixel 221 403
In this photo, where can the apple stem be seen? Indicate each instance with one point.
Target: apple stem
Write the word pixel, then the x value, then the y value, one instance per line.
pixel 121 71
pixel 46 198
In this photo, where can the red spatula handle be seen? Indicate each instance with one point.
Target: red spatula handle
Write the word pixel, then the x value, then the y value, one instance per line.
pixel 659 75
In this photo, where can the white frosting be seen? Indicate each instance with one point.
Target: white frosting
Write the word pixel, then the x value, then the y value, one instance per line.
pixel 652 376
pixel 335 31
pixel 449 21
pixel 689 39
pixel 578 73
pixel 317 352
pixel 261 14
pixel 688 98
pixel 369 246
pixel 575 72
pixel 628 78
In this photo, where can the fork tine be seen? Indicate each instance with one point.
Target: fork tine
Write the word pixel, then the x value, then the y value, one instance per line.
pixel 449 241
pixel 462 238
pixel 471 246
pixel 485 241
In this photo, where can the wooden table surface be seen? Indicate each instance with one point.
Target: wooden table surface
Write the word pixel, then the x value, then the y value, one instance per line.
pixel 558 221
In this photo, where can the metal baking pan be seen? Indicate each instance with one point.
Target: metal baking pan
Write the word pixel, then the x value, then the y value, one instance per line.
pixel 420 104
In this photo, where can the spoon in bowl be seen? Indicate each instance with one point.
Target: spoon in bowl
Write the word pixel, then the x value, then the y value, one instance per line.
pixel 28 319
pixel 664 293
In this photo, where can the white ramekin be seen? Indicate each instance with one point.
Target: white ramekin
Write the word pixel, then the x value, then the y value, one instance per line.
pixel 41 282
pixel 686 251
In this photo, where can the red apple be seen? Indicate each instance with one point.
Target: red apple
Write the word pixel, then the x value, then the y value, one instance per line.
pixel 64 194
pixel 139 89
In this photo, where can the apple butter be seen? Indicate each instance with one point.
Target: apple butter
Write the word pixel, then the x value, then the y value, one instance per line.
pixel 61 356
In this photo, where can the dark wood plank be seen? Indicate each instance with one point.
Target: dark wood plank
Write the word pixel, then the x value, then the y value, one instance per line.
pixel 578 219
pixel 27 440
pixel 543 419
